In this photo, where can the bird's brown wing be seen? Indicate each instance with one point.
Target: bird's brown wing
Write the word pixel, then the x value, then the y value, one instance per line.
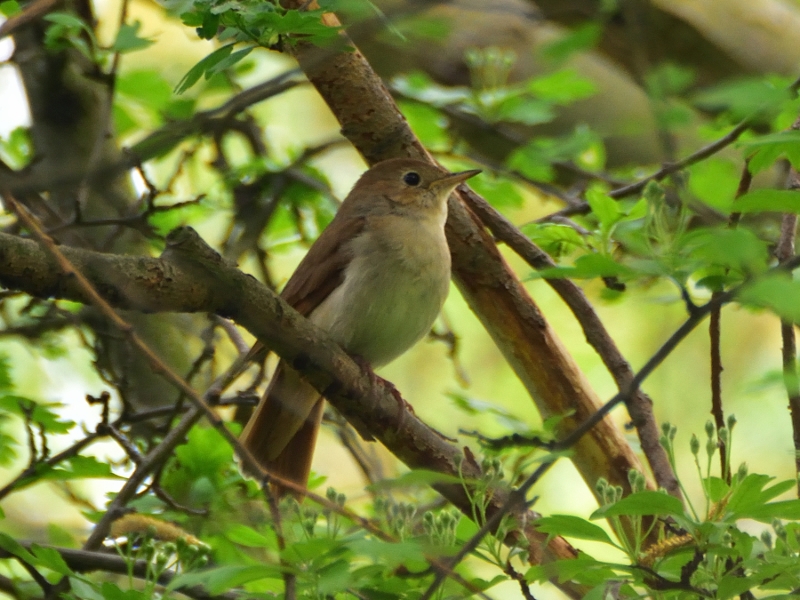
pixel 322 269
pixel 282 432
pixel 319 273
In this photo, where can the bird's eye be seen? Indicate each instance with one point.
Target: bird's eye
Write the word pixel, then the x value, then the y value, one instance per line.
pixel 411 178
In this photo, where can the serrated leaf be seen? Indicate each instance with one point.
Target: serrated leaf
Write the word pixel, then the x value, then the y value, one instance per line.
pixel 12 546
pixel 717 488
pixel 767 513
pixel 194 74
pixel 333 577
pixel 228 61
pixel 748 492
pixel 128 39
pixel 572 526
pixel 39 413
pixel 76 467
pixel 641 504
pixel 51 559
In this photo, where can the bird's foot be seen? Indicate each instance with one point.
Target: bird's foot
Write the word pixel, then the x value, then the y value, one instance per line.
pixel 375 380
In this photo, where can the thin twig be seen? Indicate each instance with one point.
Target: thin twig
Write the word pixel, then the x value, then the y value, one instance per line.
pixel 714 331
pixel 784 250
pixel 701 154
pixel 639 405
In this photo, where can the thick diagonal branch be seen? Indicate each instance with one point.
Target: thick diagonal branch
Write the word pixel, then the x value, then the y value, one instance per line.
pixel 191 277
pixel 372 122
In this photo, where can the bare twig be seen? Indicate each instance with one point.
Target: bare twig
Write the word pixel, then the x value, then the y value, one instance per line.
pixel 639 405
pixel 716 383
pixel 30 13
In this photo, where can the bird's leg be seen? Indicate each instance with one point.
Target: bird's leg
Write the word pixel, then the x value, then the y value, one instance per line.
pixel 388 385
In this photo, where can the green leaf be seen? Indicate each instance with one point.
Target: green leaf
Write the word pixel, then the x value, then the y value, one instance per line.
pixel 669 79
pixel 38 413
pixel 731 585
pixel 389 554
pixel 428 123
pixel 738 249
pixel 717 488
pixel 524 110
pixel 419 86
pixel 201 68
pixel 587 266
pixel 748 493
pixel 128 39
pixel 146 88
pixel 743 97
pixel 767 513
pixel 228 61
pixel 333 577
pixel 714 181
pixel 9 8
pixel 6 383
pixel 641 504
pixel 778 293
pixel 416 477
pixel 604 207
pixel 764 150
pixel 111 591
pixel 84 589
pixel 51 559
pixel 565 570
pixel 555 239
pixel 66 19
pixel 768 200
pixel 583 37
pixel 534 158
pixel 12 546
pixel 571 526
pixel 562 87
pixel 221 579
pixel 498 190
pixel 17 149
pixel 76 467
pixel 247 536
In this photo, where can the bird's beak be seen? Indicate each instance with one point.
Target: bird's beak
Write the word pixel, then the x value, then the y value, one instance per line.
pixel 453 179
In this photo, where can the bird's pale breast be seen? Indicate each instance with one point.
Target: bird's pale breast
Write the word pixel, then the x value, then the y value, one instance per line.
pixel 392 291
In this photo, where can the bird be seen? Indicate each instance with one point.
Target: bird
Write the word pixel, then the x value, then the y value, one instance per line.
pixel 375 279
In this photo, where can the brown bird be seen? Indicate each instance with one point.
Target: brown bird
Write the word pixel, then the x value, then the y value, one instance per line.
pixel 375 279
